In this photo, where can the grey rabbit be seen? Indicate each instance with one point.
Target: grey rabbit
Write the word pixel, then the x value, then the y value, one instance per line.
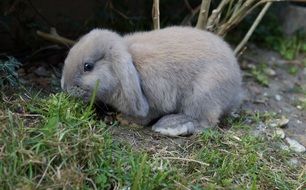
pixel 184 77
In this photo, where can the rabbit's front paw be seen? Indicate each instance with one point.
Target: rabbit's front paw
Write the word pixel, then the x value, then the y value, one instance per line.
pixel 176 125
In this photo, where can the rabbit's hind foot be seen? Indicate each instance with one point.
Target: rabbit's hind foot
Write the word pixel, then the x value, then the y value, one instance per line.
pixel 176 125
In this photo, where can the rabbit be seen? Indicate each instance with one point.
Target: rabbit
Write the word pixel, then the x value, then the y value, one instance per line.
pixel 183 78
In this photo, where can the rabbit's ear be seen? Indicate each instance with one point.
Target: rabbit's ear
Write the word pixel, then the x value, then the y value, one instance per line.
pixel 130 84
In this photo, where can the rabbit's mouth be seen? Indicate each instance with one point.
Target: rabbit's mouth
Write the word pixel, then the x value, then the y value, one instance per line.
pixel 79 92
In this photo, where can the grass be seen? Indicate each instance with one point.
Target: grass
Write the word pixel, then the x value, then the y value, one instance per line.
pixel 288 47
pixel 8 72
pixel 301 102
pixel 66 147
pixel 270 34
pixel 260 75
pixel 57 142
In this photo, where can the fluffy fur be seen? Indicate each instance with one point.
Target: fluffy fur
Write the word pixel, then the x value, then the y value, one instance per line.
pixel 187 77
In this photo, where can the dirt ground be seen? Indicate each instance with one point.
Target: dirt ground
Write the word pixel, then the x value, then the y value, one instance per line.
pixel 281 96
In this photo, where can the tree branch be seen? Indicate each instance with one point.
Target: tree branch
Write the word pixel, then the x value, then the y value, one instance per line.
pixel 253 27
pixel 215 14
pixel 202 19
pixel 189 17
pixel 155 14
pixel 54 37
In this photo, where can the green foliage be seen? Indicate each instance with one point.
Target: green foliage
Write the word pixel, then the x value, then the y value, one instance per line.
pixel 269 33
pixel 258 72
pixel 236 157
pixel 70 148
pixel 289 47
pixel 8 74
pixel 303 103
pixel 61 144
pixel 293 70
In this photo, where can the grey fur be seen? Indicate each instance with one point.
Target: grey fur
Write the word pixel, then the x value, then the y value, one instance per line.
pixel 148 75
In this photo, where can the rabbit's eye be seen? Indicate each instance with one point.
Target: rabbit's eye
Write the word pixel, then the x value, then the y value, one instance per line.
pixel 88 67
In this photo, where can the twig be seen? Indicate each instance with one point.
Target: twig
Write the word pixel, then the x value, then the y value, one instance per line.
pixel 23 115
pixel 236 17
pixel 188 5
pixel 92 182
pixel 186 159
pixel 189 17
pixel 54 37
pixel 202 19
pixel 240 12
pixel 181 185
pixel 215 14
pixel 39 13
pixel 112 7
pixel 252 28
pixel 155 15
pixel 45 172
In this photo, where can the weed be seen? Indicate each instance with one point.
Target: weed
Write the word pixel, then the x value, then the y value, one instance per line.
pixel 61 144
pixel 293 70
pixel 288 47
pixel 258 72
pixel 301 104
pixel 70 148
pixel 8 72
pixel 269 33
pixel 241 161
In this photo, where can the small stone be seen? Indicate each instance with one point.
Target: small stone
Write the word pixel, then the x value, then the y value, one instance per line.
pixel 299 107
pixel 302 99
pixel 270 72
pixel 260 130
pixel 251 66
pixel 282 122
pixel 280 133
pixel 41 71
pixel 248 121
pixel 20 109
pixel 261 126
pixel 278 97
pixel 304 71
pixel 295 145
pixel 299 121
pixel 265 94
pixel 21 72
pixel 235 115
pixel 294 162
pixel 284 147
pixel 273 124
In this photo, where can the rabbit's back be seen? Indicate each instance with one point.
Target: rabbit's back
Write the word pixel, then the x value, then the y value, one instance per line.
pixel 182 51
pixel 175 62
pixel 176 44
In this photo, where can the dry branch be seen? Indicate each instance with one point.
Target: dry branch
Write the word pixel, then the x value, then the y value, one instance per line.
pixel 54 37
pixel 216 14
pixel 189 17
pixel 155 15
pixel 236 17
pixel 253 27
pixel 202 19
pixel 186 159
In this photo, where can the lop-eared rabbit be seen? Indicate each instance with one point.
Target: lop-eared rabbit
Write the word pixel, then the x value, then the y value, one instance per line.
pixel 181 77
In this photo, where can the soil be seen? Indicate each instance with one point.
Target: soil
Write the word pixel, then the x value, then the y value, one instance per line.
pixel 280 96
pixel 283 93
